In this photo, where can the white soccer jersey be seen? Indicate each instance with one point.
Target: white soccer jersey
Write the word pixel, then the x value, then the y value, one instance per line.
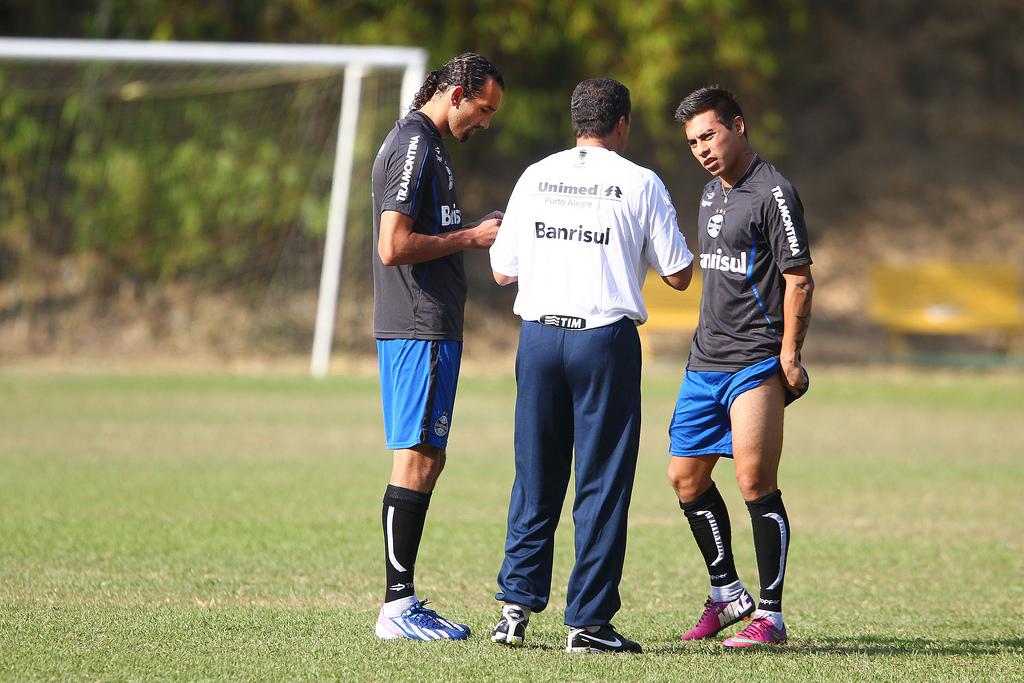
pixel 581 228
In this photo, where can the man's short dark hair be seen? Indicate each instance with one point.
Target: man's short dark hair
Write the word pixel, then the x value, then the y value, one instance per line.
pixel 711 97
pixel 470 70
pixel 597 105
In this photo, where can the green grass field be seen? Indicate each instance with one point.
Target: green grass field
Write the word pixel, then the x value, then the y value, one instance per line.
pixel 228 527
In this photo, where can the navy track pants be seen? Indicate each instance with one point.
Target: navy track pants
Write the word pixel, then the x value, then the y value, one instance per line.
pixel 583 388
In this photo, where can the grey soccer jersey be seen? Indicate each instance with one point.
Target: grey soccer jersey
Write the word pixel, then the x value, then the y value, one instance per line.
pixel 412 175
pixel 748 235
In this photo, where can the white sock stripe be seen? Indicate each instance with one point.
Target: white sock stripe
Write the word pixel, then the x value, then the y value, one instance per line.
pixel 783 539
pixel 391 540
pixel 716 534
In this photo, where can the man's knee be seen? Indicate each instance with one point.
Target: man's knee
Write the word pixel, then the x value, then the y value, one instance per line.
pixel 754 484
pixel 419 467
pixel 432 458
pixel 688 482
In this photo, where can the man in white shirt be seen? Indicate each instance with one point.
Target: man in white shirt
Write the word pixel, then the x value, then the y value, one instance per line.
pixel 580 230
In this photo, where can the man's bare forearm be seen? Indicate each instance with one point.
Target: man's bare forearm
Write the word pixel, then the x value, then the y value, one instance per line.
pixel 418 248
pixel 399 245
pixel 796 309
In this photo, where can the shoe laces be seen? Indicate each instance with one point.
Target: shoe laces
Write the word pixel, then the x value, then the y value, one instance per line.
pixel 423 616
pixel 514 615
pixel 709 608
pixel 610 627
pixel 759 626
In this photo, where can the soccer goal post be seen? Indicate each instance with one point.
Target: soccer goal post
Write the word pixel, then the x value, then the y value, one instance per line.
pixel 356 62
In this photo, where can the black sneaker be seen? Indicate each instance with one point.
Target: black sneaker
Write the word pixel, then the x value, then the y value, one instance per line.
pixel 511 628
pixel 599 639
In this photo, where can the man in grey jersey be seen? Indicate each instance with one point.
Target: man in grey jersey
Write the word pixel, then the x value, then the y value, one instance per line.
pixel 419 288
pixel 744 364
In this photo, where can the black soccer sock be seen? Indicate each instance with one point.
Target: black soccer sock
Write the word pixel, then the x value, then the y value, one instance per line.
pixel 709 522
pixel 402 517
pixel 771 545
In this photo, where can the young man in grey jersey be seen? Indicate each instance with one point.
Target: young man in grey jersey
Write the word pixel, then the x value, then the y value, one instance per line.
pixel 744 364
pixel 419 288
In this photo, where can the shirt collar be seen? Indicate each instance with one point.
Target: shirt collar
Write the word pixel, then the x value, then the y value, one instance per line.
pixel 754 163
pixel 426 119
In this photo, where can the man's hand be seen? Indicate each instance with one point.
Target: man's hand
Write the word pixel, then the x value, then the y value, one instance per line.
pixel 793 376
pixel 485 231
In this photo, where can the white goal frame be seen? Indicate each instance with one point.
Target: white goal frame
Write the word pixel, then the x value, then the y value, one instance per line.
pixel 354 60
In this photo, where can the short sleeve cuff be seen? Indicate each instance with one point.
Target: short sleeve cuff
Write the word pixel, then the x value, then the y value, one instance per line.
pixel 404 208
pixel 676 266
pixel 504 266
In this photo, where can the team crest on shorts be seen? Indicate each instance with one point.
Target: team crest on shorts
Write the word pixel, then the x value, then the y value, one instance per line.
pixel 441 426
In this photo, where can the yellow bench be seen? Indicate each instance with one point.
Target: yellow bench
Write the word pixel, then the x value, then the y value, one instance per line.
pixel 669 310
pixel 946 299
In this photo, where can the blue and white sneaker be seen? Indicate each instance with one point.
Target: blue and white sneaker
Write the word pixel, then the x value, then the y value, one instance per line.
pixel 419 623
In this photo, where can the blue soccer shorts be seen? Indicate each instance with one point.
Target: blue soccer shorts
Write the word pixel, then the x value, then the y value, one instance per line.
pixel 701 424
pixel 418 379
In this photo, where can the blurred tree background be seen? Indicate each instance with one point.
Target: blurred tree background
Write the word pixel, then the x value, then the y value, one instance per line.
pixel 899 122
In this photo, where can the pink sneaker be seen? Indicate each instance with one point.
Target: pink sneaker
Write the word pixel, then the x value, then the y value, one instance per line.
pixel 718 615
pixel 760 631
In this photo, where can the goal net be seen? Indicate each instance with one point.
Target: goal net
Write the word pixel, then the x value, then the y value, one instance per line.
pixel 176 198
